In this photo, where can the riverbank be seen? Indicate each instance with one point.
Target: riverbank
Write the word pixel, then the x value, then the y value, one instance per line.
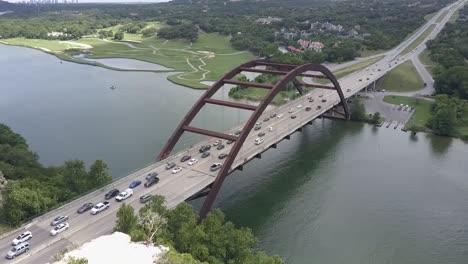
pixel 207 59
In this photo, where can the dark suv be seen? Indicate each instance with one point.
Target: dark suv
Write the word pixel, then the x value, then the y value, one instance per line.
pixel 204 148
pixel 170 165
pixel 151 182
pixel 111 194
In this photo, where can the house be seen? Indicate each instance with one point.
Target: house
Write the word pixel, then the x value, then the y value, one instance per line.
pixel 311 45
pixel 294 49
pixel 268 20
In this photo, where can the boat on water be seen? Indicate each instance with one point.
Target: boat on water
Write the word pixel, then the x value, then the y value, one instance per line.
pixel 112 87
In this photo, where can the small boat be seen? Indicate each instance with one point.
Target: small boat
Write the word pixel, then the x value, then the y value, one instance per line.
pixel 112 87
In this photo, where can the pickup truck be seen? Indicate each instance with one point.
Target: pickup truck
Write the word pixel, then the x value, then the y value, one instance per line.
pixel 100 207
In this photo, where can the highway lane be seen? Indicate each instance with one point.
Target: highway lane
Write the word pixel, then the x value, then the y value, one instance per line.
pixel 178 187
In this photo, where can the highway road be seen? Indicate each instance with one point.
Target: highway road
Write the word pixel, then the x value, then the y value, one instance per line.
pixel 176 188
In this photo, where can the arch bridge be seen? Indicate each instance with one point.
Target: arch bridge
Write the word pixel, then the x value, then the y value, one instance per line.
pixel 289 73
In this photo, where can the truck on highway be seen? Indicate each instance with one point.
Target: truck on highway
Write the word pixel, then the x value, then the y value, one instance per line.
pixel 100 207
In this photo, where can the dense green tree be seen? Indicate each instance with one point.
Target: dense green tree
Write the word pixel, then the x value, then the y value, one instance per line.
pixel 149 32
pixel 358 112
pixel 127 220
pixel 98 175
pixel 376 118
pixel 75 175
pixel 172 257
pixel 73 260
pixel 119 36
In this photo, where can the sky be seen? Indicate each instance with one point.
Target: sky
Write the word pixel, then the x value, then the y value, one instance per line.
pixel 107 1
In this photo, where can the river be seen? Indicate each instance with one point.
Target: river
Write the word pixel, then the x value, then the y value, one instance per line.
pixel 339 192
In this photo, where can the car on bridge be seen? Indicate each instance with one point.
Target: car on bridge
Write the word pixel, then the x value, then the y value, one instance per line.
pixel 151 182
pixel 85 207
pixel 192 162
pixel 270 129
pixel 348 90
pixel 59 229
pixel 308 108
pixel 205 148
pixel 111 194
pixel 259 141
pixel 318 107
pixel 324 100
pixel 238 132
pixel 151 175
pixel 360 80
pixel 261 134
pixel 215 166
pixel 124 195
pixel 311 100
pixel 220 147
pixel 279 116
pixel 299 106
pixel 176 170
pixel 59 219
pixel 100 207
pixel 185 158
pixel 291 110
pixel 170 165
pixel 229 142
pixel 222 156
pixel 146 198
pixel 257 128
pixel 216 143
pixel 321 95
pixel 17 250
pixel 134 184
pixel 23 237
pixel 293 117
pixel 205 154
pixel 266 119
pixel 273 115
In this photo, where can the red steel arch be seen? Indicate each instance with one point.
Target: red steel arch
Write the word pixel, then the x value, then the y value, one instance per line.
pixel 289 72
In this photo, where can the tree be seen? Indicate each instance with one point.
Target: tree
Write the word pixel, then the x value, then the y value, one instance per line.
pixel 443 122
pixel 172 257
pixel 73 260
pixel 358 112
pixel 75 175
pixel 127 220
pixel 149 32
pixel 119 36
pixel 98 175
pixel 376 118
pixel 152 223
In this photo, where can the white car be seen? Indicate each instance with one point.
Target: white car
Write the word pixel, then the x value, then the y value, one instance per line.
pixel 124 195
pixel 259 141
pixel 291 110
pixel 216 143
pixel 270 129
pixel 299 106
pixel 176 170
pixel 279 116
pixel 22 238
pixel 192 162
pixel 59 229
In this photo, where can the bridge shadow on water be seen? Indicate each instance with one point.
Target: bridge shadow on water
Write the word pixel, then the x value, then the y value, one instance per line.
pixel 256 195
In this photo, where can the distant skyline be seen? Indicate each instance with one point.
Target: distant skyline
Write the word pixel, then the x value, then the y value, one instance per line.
pixel 108 1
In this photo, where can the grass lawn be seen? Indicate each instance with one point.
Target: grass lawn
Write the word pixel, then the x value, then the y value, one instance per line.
pixel 426 60
pixel 418 41
pixel 455 16
pixel 422 112
pixel 439 19
pixel 5 228
pixel 367 53
pixel 429 16
pixel 207 59
pixel 403 78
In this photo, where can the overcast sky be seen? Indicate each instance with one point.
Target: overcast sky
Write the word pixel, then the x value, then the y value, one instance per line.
pixel 107 1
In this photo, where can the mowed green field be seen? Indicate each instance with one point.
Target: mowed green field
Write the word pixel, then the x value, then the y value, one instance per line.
pixel 207 59
pixel 403 78
pixel 418 41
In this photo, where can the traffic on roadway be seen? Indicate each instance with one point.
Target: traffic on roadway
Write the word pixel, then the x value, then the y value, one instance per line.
pixel 186 173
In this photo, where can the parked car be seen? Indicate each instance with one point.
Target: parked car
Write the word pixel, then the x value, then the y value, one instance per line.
pixel 257 128
pixel 59 229
pixel 321 95
pixel 100 207
pixel 293 117
pixel 261 134
pixel 17 250
pixel 290 110
pixel 185 158
pixel 258 123
pixel 124 195
pixel 151 182
pixel 170 165
pixel 318 107
pixel 259 141
pixel 192 161
pixel 205 154
pixel 145 198
pixel 216 143
pixel 176 170
pixel 308 108
pixel 360 80
pixel 151 175
pixel 221 146
pixel 311 100
pixel 299 106
pixel 23 237
pixel 222 156
pixel 324 100
pixel 111 194
pixel 348 90
pixel 215 166
pixel 85 207
pixel 134 184
pixel 204 148
pixel 59 219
